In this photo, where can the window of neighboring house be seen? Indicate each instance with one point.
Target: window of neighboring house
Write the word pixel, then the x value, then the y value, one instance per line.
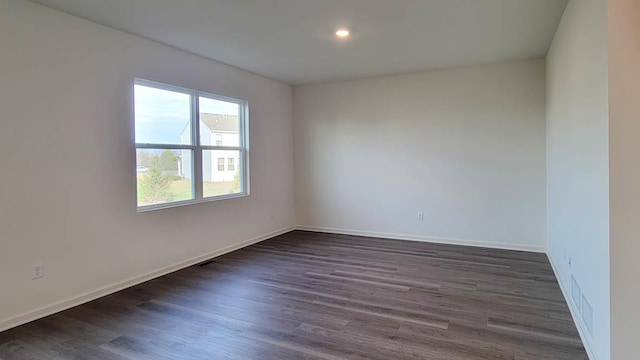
pixel 231 164
pixel 176 139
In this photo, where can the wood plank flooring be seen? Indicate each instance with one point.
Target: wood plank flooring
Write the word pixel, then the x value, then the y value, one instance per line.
pixel 315 296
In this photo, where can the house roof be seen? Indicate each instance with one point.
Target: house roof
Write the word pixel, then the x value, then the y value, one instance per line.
pixel 221 123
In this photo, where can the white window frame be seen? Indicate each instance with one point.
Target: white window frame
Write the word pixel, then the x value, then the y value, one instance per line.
pixel 197 148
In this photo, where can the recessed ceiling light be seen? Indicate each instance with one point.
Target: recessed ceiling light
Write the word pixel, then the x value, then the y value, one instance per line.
pixel 343 33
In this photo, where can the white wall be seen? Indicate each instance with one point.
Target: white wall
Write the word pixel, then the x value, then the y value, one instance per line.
pixel 624 95
pixel 466 146
pixel 578 162
pixel 68 189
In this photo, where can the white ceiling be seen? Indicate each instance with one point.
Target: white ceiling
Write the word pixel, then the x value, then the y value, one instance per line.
pixel 293 41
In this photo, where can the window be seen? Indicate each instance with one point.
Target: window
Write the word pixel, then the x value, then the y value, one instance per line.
pixel 181 137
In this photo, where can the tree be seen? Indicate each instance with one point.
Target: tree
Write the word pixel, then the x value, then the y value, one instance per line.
pixel 236 183
pixel 168 161
pixel 144 158
pixel 155 186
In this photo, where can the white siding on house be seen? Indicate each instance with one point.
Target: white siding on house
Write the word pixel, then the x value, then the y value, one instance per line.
pixel 210 172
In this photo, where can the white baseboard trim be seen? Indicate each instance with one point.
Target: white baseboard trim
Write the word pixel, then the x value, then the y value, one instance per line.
pixel 577 319
pixel 504 246
pixel 110 289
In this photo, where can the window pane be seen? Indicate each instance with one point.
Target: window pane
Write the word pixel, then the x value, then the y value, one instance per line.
pixel 219 125
pixel 164 176
pixel 162 116
pixel 217 178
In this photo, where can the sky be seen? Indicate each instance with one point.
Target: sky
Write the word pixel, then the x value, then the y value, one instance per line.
pixel 161 115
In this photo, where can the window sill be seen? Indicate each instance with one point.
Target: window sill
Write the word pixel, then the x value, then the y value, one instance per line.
pixel 154 207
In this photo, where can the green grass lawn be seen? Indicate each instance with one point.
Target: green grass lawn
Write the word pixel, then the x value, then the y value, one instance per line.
pixel 181 189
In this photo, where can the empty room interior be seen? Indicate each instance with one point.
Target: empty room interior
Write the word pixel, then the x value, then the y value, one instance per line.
pixel 319 179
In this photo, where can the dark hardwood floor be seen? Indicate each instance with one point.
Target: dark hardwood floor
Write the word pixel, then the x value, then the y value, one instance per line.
pixel 314 296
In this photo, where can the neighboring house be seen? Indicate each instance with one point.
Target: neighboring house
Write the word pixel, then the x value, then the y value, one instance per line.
pixel 215 130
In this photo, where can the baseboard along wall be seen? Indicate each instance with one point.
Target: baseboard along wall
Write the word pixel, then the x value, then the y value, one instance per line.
pixel 113 288
pixel 110 289
pixel 575 314
pixel 448 241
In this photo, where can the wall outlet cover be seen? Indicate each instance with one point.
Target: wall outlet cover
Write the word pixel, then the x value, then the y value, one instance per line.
pixel 37 271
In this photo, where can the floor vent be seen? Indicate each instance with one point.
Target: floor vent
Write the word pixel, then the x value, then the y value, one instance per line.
pixel 576 293
pixel 587 315
pixel 208 262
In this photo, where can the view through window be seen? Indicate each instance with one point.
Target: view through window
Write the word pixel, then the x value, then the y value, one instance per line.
pixel 184 139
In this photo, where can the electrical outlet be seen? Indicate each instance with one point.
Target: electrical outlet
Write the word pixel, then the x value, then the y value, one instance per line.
pixel 37 271
pixel 420 216
pixel 587 315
